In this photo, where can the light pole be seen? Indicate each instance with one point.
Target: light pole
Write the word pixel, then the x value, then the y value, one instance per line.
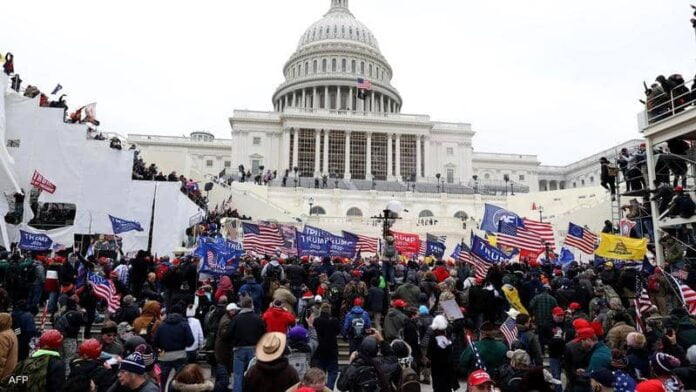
pixel 295 169
pixel 438 182
pixel 506 178
pixel 512 188
pixel 541 211
pixel 311 203
pixel 475 178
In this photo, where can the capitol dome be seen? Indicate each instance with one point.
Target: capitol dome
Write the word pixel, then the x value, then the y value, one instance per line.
pixel 332 55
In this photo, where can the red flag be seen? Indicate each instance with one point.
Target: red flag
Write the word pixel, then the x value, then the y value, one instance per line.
pixel 406 243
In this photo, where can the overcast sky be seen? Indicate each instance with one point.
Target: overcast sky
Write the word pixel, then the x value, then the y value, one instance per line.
pixel 555 78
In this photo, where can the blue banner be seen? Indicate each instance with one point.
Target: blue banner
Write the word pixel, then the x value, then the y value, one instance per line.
pixel 35 242
pixel 121 225
pixel 219 256
pixel 486 252
pixel 436 249
pixel 336 246
pixel 493 215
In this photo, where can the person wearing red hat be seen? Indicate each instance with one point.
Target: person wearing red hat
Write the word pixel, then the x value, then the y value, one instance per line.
pixel 356 325
pixel 88 364
pixel 395 320
pixel 650 386
pixel 47 357
pixel 600 354
pixel 558 332
pixel 479 381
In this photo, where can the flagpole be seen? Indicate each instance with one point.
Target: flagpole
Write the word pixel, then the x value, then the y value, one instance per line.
pixel 152 221
pixel 676 290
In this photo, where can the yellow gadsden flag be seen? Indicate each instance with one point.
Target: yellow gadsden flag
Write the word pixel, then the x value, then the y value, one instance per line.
pixel 621 248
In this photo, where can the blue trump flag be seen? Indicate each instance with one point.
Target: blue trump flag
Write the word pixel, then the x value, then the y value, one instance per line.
pixel 218 256
pixel 434 248
pixel 484 251
pixel 312 244
pixel 493 215
pixel 34 242
pixel 566 257
pixel 121 225
pixel 336 246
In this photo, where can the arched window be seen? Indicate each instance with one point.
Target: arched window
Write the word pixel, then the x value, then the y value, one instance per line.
pixel 314 66
pixel 323 65
pixel 343 65
pixel 352 66
pixel 425 214
pixel 461 215
pixel 591 180
pixel 362 68
pixel 299 69
pixel 377 73
pixel 293 72
pixel 333 65
pixel 343 31
pixel 317 211
pixel 487 176
pixel 335 30
pixel 306 67
pixel 354 212
pixel 370 69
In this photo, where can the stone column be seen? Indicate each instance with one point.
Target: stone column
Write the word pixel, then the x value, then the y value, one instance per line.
pixel 338 98
pixel 286 101
pixel 390 173
pixel 350 98
pixel 284 151
pixel 326 152
pixel 317 156
pixel 294 99
pixel 295 149
pixel 398 157
pixel 368 156
pixel 372 102
pixel 315 100
pixel 304 98
pixel 419 159
pixel 381 103
pixel 327 102
pixel 346 171
pixel 426 154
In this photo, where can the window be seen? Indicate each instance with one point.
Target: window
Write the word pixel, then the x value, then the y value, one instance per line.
pixel 450 150
pixel 255 166
pixel 333 65
pixel 377 73
pixel 209 163
pixel 317 211
pixel 13 142
pixel 370 69
pixel 362 68
pixel 314 66
pixel 521 177
pixel 293 72
pixel 358 155
pixel 582 182
pixel 299 69
pixel 354 212
pixel 575 185
pixel 343 65
pixel 257 141
pixel 228 164
pixel 306 68
pixel 591 180
pixel 379 156
pixel 337 149
pixel 425 214
pixel 450 176
pixel 408 157
pixel 323 65
pixel 352 66
pixel 306 148
pixel 461 215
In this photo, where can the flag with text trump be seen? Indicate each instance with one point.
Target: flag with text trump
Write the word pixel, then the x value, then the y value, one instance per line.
pixel 407 244
pixel 484 256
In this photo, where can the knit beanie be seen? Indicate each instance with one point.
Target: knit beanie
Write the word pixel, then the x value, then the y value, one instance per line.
pixel 133 364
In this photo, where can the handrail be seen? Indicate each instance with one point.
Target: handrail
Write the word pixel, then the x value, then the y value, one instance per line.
pixel 667 104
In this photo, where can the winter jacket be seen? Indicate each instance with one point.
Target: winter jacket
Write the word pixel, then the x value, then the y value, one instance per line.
pixel 296 275
pixel 327 328
pixel 687 375
pixel 533 347
pixel 394 324
pixel 23 322
pixel 55 376
pixel 492 352
pixel 245 329
pixel 254 290
pixel 408 292
pixel 356 312
pixel 616 337
pixel 197 332
pixel 127 314
pixel 638 362
pixel 174 334
pixel 9 346
pixel 349 377
pixel 94 369
pixel 224 288
pixel 204 387
pixel 375 300
pixel 151 310
pixel 600 358
pixel 223 347
pixel 278 320
pixel 275 376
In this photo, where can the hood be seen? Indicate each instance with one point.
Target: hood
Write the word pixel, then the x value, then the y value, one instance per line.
pixel 206 386
pixel 152 309
pixel 174 318
pixel 225 284
pixel 393 312
pixel 5 321
pixel 274 263
pixel 357 310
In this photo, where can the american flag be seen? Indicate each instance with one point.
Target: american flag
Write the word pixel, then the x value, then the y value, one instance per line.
pixel 477 356
pixel 581 238
pixel 509 330
pixel 364 84
pixel 481 266
pixel 623 382
pixel 364 243
pixel 462 253
pixel 543 230
pixel 263 239
pixel 518 237
pixel 431 238
pixel 688 296
pixel 642 304
pixel 105 289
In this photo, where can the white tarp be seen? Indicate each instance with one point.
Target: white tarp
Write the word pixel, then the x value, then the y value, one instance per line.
pixel 94 177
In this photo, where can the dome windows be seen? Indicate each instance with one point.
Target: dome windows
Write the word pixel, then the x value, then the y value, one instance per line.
pixel 333 65
pixel 370 69
pixel 314 66
pixel 352 66
pixel 323 65
pixel 306 68
pixel 343 65
pixel 362 68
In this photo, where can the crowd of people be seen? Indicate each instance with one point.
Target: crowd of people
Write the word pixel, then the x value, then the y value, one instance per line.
pixel 668 96
pixel 145 172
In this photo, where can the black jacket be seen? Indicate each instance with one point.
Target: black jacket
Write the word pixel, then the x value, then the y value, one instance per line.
pixel 296 275
pixel 327 328
pixel 375 300
pixel 127 314
pixel 103 378
pixel 174 334
pixel 245 329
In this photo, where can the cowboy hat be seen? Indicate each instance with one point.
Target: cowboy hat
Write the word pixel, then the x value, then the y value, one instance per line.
pixel 271 346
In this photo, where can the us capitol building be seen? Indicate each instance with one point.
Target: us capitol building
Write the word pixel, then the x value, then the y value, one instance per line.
pixel 320 127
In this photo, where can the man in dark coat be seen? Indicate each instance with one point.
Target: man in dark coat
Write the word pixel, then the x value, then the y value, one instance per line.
pixel 171 338
pixel 326 356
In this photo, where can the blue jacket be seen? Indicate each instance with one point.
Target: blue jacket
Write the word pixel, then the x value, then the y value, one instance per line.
pixel 357 311
pixel 600 359
pixel 254 290
pixel 174 334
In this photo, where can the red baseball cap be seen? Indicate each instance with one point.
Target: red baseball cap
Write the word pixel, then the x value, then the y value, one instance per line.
pixel 479 377
pixel 581 323
pixel 585 333
pixel 558 311
pixel 399 303
pixel 650 386
pixel 358 302
pixel 575 306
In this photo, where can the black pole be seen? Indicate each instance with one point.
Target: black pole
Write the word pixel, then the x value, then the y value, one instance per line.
pixel 152 221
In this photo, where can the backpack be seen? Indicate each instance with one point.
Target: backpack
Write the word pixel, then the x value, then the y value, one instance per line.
pixel 366 380
pixel 612 170
pixel 273 273
pixel 409 380
pixel 357 326
pixel 36 368
pixel 27 273
pixel 300 361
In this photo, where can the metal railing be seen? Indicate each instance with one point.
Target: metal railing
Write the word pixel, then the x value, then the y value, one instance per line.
pixel 668 103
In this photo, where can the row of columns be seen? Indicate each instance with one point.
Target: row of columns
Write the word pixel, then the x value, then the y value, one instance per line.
pixel 386 103
pixel 393 166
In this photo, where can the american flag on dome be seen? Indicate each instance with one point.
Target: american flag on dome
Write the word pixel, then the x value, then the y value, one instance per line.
pixel 261 238
pixel 364 243
pixel 688 296
pixel 105 289
pixel 513 236
pixel 509 330
pixel 364 84
pixel 581 238
pixel 543 230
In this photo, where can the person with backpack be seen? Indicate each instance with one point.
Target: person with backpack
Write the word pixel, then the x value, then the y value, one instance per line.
pixel 302 344
pixel 223 348
pixel 356 324
pixel 128 312
pixel 272 371
pixel 150 319
pixel 45 368
pixel 271 275
pixel 376 301
pixel 69 324
pixel 253 290
pixel 527 339
pixel 326 355
pixel 408 380
pixel 171 339
pixel 89 364
pixel 365 373
pixel 32 276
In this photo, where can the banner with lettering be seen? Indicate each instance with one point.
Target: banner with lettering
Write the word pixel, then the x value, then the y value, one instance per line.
pixel 406 243
pixel 34 242
pixel 312 244
pixel 218 256
pixel 335 245
pixel 483 250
